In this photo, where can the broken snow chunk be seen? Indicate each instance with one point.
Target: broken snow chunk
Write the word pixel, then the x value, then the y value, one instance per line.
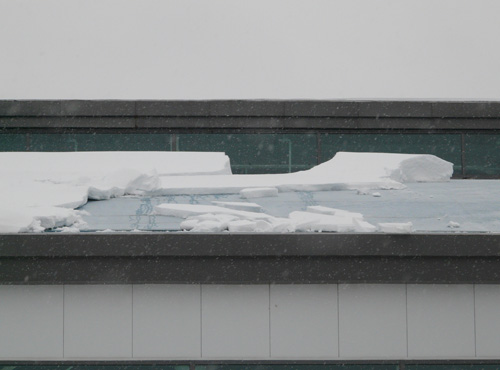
pixel 189 224
pixel 396 228
pixel 362 226
pixel 187 210
pixel 376 194
pixel 263 226
pixel 321 210
pixel 242 226
pixel 68 229
pixel 282 225
pixel 44 218
pixel 453 224
pixel 121 182
pixel 340 222
pixel 249 193
pixel 333 211
pixel 208 226
pixel 240 206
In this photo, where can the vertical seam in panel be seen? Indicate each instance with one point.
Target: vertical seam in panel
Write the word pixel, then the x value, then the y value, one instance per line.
pixel 201 322
pixel 318 148
pixel 338 320
pixel 406 309
pixel 173 142
pixel 63 321
pixel 475 337
pixel 462 153
pixel 269 306
pixel 132 319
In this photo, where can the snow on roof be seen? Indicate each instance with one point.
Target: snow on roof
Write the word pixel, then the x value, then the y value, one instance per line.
pixel 40 191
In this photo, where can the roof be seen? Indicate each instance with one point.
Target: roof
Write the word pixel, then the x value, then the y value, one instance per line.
pixel 433 253
pixel 472 206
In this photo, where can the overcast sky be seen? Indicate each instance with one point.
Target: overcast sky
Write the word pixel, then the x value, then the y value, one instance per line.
pixel 268 49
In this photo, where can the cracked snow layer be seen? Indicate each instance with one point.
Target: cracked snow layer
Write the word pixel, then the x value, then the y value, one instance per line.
pixel 39 191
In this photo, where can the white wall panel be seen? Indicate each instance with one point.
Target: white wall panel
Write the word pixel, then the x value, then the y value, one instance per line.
pixel 235 321
pixel 304 321
pixel 372 320
pixel 441 321
pixel 31 321
pixel 98 321
pixel 487 320
pixel 167 321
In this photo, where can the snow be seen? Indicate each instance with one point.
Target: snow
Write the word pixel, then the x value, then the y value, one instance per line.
pixel 40 191
pixel 241 206
pixel 396 228
pixel 345 171
pixel 188 210
pixel 332 211
pixel 343 221
pixel 250 193
pixel 37 219
pixel 206 218
pixel 73 165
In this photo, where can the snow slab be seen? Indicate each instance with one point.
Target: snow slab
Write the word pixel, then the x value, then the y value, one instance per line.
pixel 38 187
pixel 188 210
pixel 52 166
pixel 250 193
pixel 240 206
pixel 396 228
pixel 339 222
pixel 345 171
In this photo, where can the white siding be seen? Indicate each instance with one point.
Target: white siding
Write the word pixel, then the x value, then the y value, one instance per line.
pixel 488 320
pixel 441 321
pixel 167 321
pixel 346 321
pixel 372 320
pixel 304 321
pixel 31 321
pixel 98 321
pixel 235 321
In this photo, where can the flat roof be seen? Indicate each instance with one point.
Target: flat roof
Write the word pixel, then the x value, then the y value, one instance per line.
pixel 432 254
pixel 471 206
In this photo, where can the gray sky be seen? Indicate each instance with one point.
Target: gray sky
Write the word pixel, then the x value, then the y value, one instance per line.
pixel 269 49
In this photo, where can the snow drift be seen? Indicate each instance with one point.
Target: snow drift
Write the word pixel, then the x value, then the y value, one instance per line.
pixel 41 190
pixel 345 171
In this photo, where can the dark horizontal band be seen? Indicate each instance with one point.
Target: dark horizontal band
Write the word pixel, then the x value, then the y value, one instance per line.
pixel 249 108
pixel 248 258
pixel 253 123
pixel 250 362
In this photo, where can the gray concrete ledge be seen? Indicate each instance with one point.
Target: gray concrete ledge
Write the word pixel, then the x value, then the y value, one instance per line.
pixel 248 258
pixel 248 108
